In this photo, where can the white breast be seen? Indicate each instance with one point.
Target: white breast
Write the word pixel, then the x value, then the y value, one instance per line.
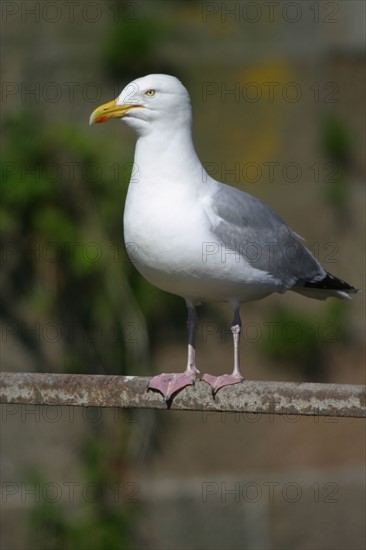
pixel 168 238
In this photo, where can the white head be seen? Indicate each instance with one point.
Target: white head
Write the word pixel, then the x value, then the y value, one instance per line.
pixel 149 103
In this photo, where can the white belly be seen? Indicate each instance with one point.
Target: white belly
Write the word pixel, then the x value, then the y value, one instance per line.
pixel 176 251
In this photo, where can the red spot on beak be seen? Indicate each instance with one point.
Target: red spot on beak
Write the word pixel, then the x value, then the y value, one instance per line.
pixel 100 119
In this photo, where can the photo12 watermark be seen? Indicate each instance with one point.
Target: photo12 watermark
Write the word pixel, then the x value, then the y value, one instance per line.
pixel 271 253
pixel 271 172
pixel 269 491
pixel 54 414
pixel 74 12
pixel 53 332
pixel 269 92
pixel 68 492
pixel 272 12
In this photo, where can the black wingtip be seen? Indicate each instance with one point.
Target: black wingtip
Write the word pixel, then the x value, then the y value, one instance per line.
pixel 330 282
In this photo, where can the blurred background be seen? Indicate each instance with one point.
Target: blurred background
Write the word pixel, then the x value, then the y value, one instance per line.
pixel 278 96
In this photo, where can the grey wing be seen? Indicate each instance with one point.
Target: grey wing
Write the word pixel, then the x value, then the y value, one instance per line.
pixel 244 224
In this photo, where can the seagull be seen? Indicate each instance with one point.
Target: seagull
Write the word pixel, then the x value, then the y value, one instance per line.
pixel 195 237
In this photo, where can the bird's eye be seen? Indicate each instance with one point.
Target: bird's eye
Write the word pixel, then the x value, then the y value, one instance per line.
pixel 150 92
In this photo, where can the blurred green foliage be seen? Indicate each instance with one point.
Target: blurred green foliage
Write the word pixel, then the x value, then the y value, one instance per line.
pixel 299 340
pixel 336 140
pixel 131 43
pixel 337 146
pixel 62 241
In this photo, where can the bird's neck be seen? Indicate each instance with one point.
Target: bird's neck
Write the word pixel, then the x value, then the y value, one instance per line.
pixel 167 155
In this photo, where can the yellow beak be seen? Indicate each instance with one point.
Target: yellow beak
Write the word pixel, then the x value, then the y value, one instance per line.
pixel 110 110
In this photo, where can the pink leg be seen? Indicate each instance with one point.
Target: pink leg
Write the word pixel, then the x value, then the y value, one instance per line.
pixel 217 382
pixel 168 384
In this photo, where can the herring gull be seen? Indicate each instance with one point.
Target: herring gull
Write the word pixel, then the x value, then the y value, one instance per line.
pixel 195 237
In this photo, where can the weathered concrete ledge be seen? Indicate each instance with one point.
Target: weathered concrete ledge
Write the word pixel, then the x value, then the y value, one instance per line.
pixel 342 400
